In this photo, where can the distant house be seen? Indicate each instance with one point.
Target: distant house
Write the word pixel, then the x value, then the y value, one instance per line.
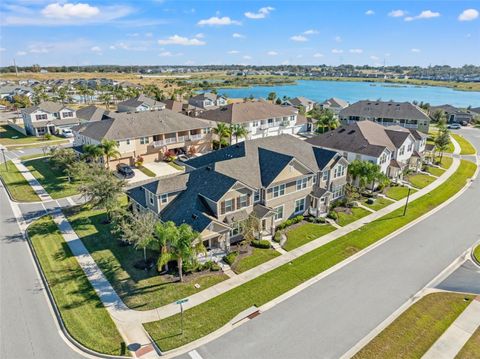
pixel 90 113
pixel 476 110
pixel 48 117
pixel 334 104
pixel 393 148
pixel 8 91
pixel 454 114
pixel 260 118
pixel 146 134
pixel 207 100
pixel 182 107
pixel 272 178
pixel 140 103
pixel 301 102
pixel 388 113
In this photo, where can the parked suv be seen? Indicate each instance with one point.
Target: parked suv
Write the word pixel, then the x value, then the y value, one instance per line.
pixel 125 170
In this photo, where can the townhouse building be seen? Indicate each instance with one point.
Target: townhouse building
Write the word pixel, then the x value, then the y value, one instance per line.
pixel 393 148
pixel 301 103
pixel 207 100
pixel 260 118
pixel 454 114
pixel 140 103
pixel 48 117
pixel 334 104
pixel 388 113
pixel 146 135
pixel 271 179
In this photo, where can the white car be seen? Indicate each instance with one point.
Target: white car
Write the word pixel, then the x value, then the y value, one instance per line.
pixel 454 126
pixel 66 132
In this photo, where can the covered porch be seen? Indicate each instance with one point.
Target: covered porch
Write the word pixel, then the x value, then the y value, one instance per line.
pixel 319 202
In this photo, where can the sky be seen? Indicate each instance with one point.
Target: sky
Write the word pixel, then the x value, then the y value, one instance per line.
pixel 260 32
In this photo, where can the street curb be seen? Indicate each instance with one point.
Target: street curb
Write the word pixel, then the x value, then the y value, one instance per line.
pixel 53 305
pixel 8 192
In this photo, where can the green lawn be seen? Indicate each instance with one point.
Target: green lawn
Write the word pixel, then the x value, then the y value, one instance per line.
pixel 31 157
pixel 52 179
pixel 446 162
pixel 213 314
pixel 139 289
pixel 471 349
pixel 466 147
pixel 17 185
pixel 7 135
pixel 146 171
pixel 357 213
pixel 380 202
pixel 436 171
pixel 415 331
pixel 398 192
pixel 84 315
pixel 476 253
pixel 420 180
pixel 258 256
pixel 450 149
pixel 305 233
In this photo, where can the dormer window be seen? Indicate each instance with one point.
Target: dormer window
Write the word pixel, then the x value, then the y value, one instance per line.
pixel 164 198
pixel 256 196
pixel 41 117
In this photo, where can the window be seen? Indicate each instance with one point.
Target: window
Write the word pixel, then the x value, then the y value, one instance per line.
pixel 401 151
pixel 255 124
pixel 243 200
pixel 128 141
pixel 43 116
pixel 228 205
pixel 236 229
pixel 410 147
pixel 339 171
pixel 324 175
pixel 300 205
pixel 67 114
pixel 118 143
pixel 278 213
pixel 256 196
pixel 314 179
pixel 164 198
pixel 143 140
pixel 150 198
pixel 383 158
pixel 338 191
pixel 278 191
pixel 302 183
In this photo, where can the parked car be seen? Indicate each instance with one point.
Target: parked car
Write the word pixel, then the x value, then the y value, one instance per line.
pixel 125 170
pixel 454 126
pixel 66 132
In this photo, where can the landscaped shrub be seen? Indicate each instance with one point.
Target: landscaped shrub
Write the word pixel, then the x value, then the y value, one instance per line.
pixel 261 244
pixel 290 222
pixel 209 265
pixel 277 237
pixel 332 215
pixel 191 266
pixel 312 219
pixel 230 258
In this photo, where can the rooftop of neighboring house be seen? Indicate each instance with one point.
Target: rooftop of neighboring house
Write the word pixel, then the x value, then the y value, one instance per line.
pixel 363 137
pixel 178 106
pixel 91 113
pixel 243 112
pixel 335 102
pixel 125 125
pixel 46 106
pixel 141 100
pixel 385 109
pixel 449 109
pixel 206 96
pixel 476 110
pixel 301 101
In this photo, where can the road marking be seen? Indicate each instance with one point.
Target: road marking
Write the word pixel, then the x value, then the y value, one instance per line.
pixel 194 355
pixel 21 151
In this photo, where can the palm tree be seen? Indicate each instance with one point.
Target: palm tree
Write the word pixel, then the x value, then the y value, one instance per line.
pixel 39 94
pixel 83 92
pixel 165 232
pixel 326 118
pixel 109 149
pixel 106 98
pixel 239 132
pixel 184 248
pixel 222 131
pixel 92 152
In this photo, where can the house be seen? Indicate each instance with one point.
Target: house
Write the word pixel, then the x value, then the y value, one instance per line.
pixel 90 113
pixel 147 134
pixel 207 100
pixel 182 107
pixel 140 103
pixel 454 114
pixel 393 148
pixel 7 92
pixel 272 178
pixel 388 113
pixel 301 102
pixel 334 104
pixel 48 117
pixel 260 118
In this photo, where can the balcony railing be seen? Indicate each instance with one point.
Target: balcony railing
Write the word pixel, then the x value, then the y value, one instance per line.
pixel 196 137
pixel 169 141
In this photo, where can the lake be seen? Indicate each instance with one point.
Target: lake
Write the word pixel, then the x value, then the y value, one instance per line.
pixel 355 91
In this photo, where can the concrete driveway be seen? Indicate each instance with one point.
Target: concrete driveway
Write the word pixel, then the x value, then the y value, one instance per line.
pixel 161 169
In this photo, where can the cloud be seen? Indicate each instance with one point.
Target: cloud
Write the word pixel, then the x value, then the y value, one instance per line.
pixel 218 21
pixel 233 52
pixel 369 12
pixel 169 54
pixel 180 40
pixel 131 45
pixel 148 34
pixel 397 13
pixel 67 10
pixel 337 51
pixel 262 13
pixel 356 51
pixel 338 39
pixel 317 55
pixel 21 53
pixel 426 14
pixel 374 58
pixel 2 49
pixel 200 35
pixel 236 35
pixel 272 53
pixel 415 50
pixel 298 38
pixel 286 62
pixel 310 32
pixel 247 57
pixel 189 62
pixel 468 15
pixel 96 49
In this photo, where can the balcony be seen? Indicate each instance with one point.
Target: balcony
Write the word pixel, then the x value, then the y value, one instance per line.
pixel 196 137
pixel 180 139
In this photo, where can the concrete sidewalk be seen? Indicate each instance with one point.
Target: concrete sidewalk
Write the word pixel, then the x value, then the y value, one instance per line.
pixel 455 337
pixel 32 181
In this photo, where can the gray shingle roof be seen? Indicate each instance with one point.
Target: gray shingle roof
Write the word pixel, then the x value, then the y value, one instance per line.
pixel 169 184
pixel 141 100
pixel 335 102
pixel 381 109
pixel 47 106
pixel 90 113
pixel 301 101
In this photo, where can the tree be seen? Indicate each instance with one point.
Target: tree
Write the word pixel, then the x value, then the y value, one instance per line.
pixel 442 141
pixel 364 172
pixel 239 132
pixel 106 98
pixel 272 96
pixel 250 229
pixel 184 248
pixel 21 101
pixel 165 232
pixel 62 158
pixel 92 152
pixel 222 131
pixel 109 148
pixel 324 118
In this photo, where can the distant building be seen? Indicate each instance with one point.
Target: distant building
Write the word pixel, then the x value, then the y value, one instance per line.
pixel 301 102
pixel 48 117
pixel 207 100
pixel 454 114
pixel 90 113
pixel 140 103
pixel 389 113
pixel 334 104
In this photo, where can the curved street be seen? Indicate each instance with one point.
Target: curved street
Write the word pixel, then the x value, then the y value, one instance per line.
pixel 331 316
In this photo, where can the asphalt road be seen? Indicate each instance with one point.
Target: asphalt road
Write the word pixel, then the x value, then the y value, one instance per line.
pixel 331 316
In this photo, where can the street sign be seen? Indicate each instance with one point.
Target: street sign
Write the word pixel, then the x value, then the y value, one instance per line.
pixel 181 301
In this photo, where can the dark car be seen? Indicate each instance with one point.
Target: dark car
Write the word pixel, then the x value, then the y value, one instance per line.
pixel 125 170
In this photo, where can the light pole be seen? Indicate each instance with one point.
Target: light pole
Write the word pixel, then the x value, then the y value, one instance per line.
pixel 4 159
pixel 406 203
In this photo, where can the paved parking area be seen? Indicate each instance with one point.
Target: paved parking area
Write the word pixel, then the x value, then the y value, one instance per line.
pixel 161 169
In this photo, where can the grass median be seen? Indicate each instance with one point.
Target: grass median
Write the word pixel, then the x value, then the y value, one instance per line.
pixel 471 349
pixel 465 146
pixel 84 315
pixel 17 185
pixel 218 311
pixel 415 331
